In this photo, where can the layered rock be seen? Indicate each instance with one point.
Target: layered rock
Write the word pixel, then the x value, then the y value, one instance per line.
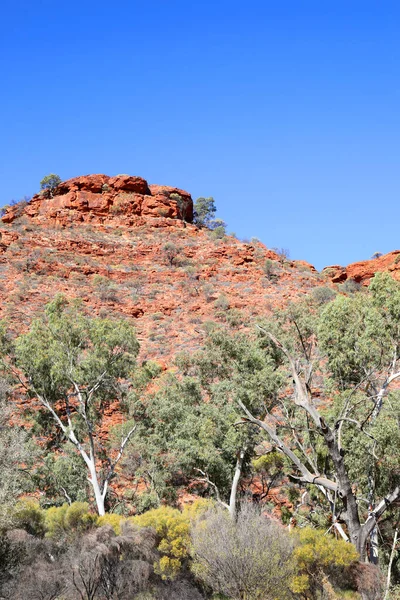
pixel 123 200
pixel 364 270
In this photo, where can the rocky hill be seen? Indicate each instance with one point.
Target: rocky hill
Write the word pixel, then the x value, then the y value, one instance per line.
pixel 130 249
pixel 127 248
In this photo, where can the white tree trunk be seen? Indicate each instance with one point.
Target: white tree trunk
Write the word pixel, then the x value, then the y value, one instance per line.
pixel 389 573
pixel 235 483
pixel 98 495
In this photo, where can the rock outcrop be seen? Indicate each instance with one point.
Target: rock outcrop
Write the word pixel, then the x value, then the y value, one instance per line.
pixel 362 271
pixel 124 200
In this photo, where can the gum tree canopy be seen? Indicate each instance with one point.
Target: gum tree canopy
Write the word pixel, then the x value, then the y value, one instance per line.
pixel 339 427
pixel 73 366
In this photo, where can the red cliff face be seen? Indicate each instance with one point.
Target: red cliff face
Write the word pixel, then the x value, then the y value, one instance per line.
pixel 100 199
pixel 363 271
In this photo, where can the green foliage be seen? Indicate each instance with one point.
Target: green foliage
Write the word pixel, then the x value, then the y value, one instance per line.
pixel 322 295
pixel 105 289
pixel 171 253
pixel 218 229
pixel 29 516
pixel 359 332
pixel 57 474
pixel 66 344
pixel 269 270
pixel 50 182
pixel 186 430
pixel 68 520
pixel 15 449
pixel 204 216
pixel 75 366
pixel 204 211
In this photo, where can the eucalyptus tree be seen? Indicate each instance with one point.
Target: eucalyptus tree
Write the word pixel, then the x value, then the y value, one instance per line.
pixel 339 418
pixel 14 451
pixel 187 430
pixel 73 366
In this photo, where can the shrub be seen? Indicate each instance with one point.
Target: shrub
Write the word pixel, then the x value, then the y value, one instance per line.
pixel 269 270
pixel 103 565
pixel 204 211
pixel 29 516
pixel 350 286
pixel 171 252
pixel 316 557
pixel 283 254
pixel 67 520
pixel 113 520
pixel 17 206
pixel 244 559
pixel 105 289
pixel 222 303
pixel 322 295
pixel 173 538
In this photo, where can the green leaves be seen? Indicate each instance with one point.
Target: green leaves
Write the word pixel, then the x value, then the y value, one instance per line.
pixel 66 346
pixel 50 182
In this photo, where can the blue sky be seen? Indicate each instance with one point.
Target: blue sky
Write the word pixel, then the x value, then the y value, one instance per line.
pixel 286 112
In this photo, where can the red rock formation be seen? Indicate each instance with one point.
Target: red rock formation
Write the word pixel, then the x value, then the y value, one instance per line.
pixel 362 271
pixel 101 199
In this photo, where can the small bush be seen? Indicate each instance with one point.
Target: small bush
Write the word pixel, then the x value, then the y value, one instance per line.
pixel 29 516
pixel 350 286
pixel 171 253
pixel 269 270
pixel 115 521
pixel 67 520
pixel 316 557
pixel 248 558
pixel 283 254
pixel 17 206
pixel 105 289
pixel 172 529
pixel 322 295
pixel 222 303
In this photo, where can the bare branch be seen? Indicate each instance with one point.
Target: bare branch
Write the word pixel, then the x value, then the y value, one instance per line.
pixel 307 476
pixel 207 480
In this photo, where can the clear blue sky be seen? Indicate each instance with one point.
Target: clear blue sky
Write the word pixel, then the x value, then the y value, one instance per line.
pixel 287 112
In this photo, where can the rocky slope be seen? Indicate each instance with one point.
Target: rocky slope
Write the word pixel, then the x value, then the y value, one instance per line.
pixel 127 248
pixel 130 249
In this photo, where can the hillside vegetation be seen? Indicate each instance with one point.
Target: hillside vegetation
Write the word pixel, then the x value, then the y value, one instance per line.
pixel 185 415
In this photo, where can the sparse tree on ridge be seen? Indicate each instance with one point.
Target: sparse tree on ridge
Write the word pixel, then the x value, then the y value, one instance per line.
pixel 204 211
pixel 49 183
